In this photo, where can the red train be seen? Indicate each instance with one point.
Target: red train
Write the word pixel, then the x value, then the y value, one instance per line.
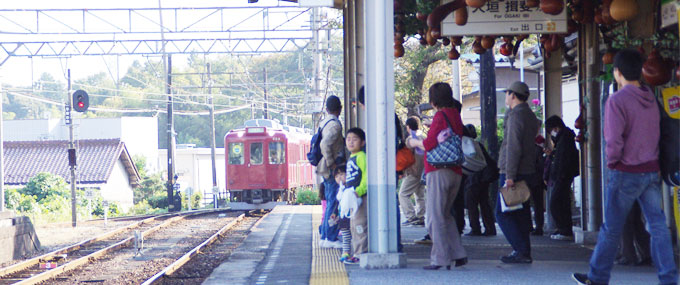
pixel 266 164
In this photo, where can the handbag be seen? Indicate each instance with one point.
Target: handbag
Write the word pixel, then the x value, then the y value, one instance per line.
pixel 447 153
pixel 517 194
pixel 475 162
pixel 405 158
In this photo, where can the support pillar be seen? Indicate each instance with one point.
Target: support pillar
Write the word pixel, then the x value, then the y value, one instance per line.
pixel 380 143
pixel 488 112
pixel 552 82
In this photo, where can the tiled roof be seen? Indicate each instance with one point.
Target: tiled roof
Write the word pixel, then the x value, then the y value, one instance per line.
pixel 96 160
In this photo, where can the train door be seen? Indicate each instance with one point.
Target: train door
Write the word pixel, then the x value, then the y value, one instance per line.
pixel 256 170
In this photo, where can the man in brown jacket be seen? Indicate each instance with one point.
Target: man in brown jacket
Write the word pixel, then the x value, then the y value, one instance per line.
pixel 333 150
pixel 516 162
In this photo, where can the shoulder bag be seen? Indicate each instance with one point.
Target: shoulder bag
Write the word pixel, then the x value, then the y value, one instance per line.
pixel 447 153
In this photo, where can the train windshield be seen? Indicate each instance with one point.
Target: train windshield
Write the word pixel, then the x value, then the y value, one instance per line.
pixel 256 153
pixel 235 153
pixel 277 153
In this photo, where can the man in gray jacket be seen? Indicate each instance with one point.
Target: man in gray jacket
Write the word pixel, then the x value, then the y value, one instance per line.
pixel 333 149
pixel 517 163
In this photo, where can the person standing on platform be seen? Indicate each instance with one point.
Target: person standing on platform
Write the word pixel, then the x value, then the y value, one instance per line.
pixel 564 166
pixel 517 161
pixel 631 130
pixel 477 197
pixel 333 150
pixel 410 183
pixel 357 180
pixel 442 184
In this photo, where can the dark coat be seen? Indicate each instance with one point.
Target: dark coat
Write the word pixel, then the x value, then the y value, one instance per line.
pixel 564 160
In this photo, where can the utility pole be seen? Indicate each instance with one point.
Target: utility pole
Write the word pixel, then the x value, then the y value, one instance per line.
pixel 265 93
pixel 212 138
pixel 171 136
pixel 71 145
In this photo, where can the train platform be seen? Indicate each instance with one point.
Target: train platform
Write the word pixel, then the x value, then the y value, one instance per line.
pixel 283 249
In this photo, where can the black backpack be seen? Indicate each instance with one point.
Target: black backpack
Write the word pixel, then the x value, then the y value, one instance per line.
pixel 314 155
pixel 669 148
pixel 490 173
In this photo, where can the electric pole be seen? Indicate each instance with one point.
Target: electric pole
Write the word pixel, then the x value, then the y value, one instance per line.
pixel 265 93
pixel 211 105
pixel 71 145
pixel 171 137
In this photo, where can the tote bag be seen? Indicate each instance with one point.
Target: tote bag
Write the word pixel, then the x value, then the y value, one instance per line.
pixel 447 153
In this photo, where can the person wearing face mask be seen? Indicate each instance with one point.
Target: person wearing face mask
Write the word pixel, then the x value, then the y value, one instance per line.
pixel 563 167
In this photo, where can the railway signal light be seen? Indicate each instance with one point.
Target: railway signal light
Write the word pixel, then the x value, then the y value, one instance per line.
pixel 81 101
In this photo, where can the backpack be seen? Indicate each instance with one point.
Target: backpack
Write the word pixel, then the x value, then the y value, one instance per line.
pixel 490 173
pixel 474 161
pixel 314 155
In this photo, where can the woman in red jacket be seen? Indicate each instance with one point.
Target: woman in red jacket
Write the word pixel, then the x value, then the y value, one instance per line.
pixel 442 184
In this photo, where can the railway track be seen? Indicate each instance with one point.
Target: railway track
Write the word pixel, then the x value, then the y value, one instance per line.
pixel 36 270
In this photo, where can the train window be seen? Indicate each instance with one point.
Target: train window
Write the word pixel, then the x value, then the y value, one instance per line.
pixel 235 153
pixel 256 153
pixel 277 153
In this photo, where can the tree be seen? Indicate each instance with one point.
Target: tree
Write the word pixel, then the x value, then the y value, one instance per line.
pixel 44 185
pixel 410 72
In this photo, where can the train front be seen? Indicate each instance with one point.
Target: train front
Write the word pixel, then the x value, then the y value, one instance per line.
pixel 256 166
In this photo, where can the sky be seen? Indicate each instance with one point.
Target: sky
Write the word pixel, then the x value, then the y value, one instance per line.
pixel 22 71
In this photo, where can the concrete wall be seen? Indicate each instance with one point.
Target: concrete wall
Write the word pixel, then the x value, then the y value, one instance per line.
pixel 17 238
pixel 194 168
pixel 118 189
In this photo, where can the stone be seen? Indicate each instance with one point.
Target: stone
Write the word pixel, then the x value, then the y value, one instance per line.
pixel 382 260
pixel 17 238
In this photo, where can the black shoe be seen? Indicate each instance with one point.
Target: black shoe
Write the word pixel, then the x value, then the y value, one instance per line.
pixel 582 279
pixel 489 233
pixel 516 257
pixel 460 262
pixel 435 267
pixel 623 261
pixel 418 222
pixel 474 233
pixel 644 262
pixel 537 232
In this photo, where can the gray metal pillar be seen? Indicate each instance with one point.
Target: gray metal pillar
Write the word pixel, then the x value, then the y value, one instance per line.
pixel 487 91
pixel 592 149
pixel 380 144
pixel 360 53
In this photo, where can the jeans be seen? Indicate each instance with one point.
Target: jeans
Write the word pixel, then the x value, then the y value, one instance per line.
pixel 516 225
pixel 330 191
pixel 622 190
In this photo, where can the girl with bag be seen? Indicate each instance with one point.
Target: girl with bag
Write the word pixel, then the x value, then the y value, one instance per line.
pixel 443 181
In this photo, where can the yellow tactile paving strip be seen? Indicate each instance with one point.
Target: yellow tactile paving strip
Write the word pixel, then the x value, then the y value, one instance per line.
pixel 326 269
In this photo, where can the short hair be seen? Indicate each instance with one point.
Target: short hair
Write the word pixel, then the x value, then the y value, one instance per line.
pixel 441 95
pixel 340 169
pixel 413 123
pixel 333 104
pixel 470 131
pixel 521 97
pixel 358 132
pixel 554 122
pixel 629 63
pixel 457 105
pixel 360 96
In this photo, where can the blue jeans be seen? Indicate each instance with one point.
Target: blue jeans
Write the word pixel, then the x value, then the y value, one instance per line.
pixel 622 190
pixel 330 191
pixel 516 225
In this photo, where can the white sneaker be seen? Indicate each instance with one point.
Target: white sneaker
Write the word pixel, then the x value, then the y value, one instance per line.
pixel 323 243
pixel 335 244
pixel 561 237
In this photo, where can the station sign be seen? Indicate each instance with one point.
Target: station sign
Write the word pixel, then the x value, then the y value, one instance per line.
pixel 669 13
pixel 315 3
pixel 506 17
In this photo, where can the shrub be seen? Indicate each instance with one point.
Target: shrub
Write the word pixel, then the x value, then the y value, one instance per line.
pixel 307 197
